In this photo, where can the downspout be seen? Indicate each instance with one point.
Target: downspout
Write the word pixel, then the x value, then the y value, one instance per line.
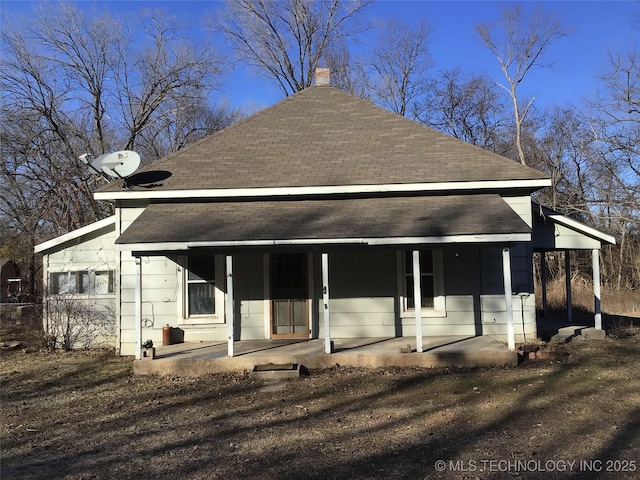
pixel 138 308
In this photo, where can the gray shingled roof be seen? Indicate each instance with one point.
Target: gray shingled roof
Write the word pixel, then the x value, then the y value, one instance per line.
pixel 428 216
pixel 324 137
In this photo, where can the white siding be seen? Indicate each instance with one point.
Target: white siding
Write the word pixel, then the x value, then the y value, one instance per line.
pixel 522 206
pixel 92 252
pixel 362 287
pixel 554 236
pixel 159 299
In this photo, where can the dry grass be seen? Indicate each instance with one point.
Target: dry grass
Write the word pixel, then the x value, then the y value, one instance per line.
pixel 84 415
pixel 620 303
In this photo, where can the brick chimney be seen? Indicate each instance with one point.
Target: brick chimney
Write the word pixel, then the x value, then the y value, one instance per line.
pixel 323 76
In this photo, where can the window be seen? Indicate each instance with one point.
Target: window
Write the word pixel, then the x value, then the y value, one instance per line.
pixel 201 288
pixel 83 282
pixel 426 280
pixel 431 282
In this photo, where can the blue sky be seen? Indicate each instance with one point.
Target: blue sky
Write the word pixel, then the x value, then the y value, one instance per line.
pixel 597 27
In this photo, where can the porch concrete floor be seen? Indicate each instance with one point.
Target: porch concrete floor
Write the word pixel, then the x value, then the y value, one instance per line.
pixel 198 359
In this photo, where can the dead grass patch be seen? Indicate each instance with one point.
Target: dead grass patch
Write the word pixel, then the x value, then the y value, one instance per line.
pixel 619 303
pixel 84 415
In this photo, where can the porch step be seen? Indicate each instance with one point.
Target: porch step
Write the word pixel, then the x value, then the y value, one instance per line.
pixel 272 371
pixel 567 334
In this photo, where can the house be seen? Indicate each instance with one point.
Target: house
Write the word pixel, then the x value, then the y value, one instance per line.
pixel 325 216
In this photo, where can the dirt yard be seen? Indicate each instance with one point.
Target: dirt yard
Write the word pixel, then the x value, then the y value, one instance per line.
pixel 574 414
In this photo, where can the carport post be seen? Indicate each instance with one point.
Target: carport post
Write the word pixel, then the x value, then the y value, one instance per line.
pixel 595 258
pixel 567 278
pixel 417 299
pixel 543 276
pixel 230 313
pixel 325 302
pixel 138 308
pixel 506 269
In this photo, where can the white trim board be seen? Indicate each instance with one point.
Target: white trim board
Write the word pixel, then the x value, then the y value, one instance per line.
pixel 582 228
pixel 323 190
pixel 179 246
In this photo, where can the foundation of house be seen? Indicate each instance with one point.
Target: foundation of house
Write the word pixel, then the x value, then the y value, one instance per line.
pixel 198 359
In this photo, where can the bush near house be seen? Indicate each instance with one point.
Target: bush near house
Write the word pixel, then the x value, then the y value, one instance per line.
pixel 71 323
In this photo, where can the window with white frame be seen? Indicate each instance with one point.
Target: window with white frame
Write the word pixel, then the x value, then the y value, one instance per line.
pixel 203 297
pixel 201 285
pixel 88 282
pixel 431 281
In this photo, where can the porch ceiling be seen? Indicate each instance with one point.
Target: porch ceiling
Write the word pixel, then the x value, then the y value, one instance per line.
pixel 439 219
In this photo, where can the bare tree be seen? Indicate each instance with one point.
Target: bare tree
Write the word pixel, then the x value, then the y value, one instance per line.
pixel 183 121
pixel 168 73
pixel 614 122
pixel 467 107
pixel 286 40
pixel 519 43
pixel 72 85
pixel 400 63
pixel 347 73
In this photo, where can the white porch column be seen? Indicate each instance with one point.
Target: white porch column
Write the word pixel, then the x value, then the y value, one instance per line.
pixel 138 308
pixel 543 276
pixel 325 302
pixel 567 277
pixel 595 258
pixel 230 312
pixel 506 270
pixel 417 299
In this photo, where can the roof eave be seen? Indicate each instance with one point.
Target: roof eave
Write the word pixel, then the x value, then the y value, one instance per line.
pixel 78 233
pixel 582 228
pixel 266 192
pixel 388 241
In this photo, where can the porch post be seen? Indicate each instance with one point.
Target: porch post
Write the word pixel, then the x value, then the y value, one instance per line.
pixel 506 269
pixel 417 299
pixel 325 302
pixel 543 276
pixel 230 312
pixel 567 278
pixel 138 308
pixel 595 258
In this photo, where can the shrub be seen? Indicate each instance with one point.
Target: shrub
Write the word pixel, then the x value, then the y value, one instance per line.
pixel 72 322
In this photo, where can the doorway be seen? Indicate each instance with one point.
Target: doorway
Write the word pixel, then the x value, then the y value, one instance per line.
pixel 288 285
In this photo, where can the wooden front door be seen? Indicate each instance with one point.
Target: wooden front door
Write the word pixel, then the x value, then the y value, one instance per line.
pixel 289 308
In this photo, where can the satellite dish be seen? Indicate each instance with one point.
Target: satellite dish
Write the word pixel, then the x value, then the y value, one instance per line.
pixel 118 164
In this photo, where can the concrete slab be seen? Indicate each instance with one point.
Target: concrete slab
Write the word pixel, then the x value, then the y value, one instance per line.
pixel 591 333
pixel 198 359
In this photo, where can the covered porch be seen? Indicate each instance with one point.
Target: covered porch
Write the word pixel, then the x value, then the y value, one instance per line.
pixel 199 359
pixel 361 267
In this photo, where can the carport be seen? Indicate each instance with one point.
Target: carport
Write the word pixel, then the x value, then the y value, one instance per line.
pixel 556 232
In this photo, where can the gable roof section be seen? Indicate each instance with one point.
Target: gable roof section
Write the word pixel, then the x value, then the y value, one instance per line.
pixel 76 235
pixel 379 221
pixel 546 238
pixel 323 137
